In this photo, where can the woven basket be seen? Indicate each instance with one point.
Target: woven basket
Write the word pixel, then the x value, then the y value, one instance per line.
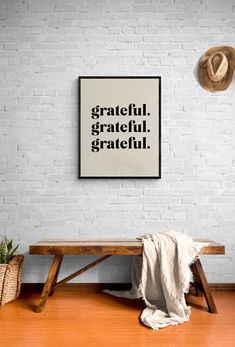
pixel 10 279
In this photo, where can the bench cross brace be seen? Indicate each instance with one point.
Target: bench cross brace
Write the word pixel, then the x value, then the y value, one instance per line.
pixel 51 282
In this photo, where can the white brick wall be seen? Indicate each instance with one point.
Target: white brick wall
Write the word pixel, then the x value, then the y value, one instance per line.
pixel 44 46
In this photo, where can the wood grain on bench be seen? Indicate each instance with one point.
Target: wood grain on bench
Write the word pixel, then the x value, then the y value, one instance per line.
pixel 105 247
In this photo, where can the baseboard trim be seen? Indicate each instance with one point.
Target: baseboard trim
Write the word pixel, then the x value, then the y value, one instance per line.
pixel 220 287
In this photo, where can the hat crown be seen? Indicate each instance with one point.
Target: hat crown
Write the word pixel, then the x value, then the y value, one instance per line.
pixel 217 66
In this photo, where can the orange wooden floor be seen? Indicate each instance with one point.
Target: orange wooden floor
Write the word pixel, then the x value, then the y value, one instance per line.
pixel 85 317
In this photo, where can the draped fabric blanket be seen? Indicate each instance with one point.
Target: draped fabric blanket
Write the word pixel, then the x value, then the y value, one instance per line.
pixel 162 276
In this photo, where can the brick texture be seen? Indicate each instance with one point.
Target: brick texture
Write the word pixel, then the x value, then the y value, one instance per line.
pixel 44 46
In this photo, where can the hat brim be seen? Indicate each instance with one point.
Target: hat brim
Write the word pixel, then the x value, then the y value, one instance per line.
pixel 224 83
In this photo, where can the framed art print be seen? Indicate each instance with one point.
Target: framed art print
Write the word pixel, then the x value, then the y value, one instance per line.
pixel 120 127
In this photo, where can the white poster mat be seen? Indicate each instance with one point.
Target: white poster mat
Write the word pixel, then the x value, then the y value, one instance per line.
pixel 119 127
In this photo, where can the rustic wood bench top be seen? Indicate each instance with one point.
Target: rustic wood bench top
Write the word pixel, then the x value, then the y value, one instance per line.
pixel 106 248
pixel 125 246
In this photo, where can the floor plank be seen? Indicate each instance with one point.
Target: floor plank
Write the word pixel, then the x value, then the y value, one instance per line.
pixel 84 316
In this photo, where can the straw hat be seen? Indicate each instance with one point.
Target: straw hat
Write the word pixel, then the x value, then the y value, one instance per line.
pixel 216 68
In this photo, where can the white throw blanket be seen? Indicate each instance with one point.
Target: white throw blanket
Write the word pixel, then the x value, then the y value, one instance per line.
pixel 162 276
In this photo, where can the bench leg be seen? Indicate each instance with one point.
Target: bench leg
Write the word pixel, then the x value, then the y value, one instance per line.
pixel 201 281
pixel 196 281
pixel 56 277
pixel 49 282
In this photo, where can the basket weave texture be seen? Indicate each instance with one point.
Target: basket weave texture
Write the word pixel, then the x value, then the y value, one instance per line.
pixel 10 279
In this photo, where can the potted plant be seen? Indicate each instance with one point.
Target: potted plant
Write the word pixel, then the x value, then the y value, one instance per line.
pixel 10 271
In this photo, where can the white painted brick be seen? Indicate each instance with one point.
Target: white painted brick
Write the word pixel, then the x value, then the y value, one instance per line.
pixel 43 48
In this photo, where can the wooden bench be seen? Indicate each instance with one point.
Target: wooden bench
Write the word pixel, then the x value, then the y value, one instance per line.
pixel 107 248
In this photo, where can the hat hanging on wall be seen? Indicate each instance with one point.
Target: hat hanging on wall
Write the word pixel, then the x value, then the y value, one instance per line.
pixel 216 68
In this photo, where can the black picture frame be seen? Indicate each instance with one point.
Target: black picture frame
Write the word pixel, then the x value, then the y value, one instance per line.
pixel 82 176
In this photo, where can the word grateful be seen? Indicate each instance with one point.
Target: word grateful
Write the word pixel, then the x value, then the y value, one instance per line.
pixel 130 110
pixel 129 127
pixel 131 143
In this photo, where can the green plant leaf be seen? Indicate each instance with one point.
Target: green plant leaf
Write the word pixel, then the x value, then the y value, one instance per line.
pixel 9 245
pixel 11 254
pixel 6 251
